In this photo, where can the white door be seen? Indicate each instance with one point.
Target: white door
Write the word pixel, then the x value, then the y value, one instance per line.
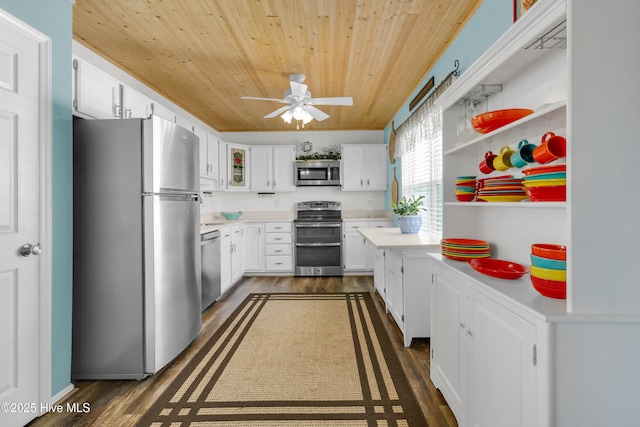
pixel 502 381
pixel 376 158
pixel 284 158
pixel 352 169
pixel 261 168
pixel 20 210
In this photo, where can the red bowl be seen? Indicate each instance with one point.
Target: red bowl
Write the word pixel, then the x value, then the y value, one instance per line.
pixel 492 120
pixel 498 268
pixel 550 251
pixel 465 197
pixel 550 288
pixel 553 193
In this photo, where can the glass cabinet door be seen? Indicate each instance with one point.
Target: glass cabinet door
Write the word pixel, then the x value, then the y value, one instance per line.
pixel 238 167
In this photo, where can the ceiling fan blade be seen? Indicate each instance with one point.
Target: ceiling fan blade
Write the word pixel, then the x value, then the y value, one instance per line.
pixel 316 114
pixel 255 98
pixel 298 89
pixel 338 100
pixel 277 112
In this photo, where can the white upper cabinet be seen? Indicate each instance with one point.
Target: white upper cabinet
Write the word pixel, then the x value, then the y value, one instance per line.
pixel 135 104
pixel 262 168
pixel 208 159
pixel 272 168
pixel 181 121
pixel 164 112
pixel 96 94
pixel 364 167
pixel 284 158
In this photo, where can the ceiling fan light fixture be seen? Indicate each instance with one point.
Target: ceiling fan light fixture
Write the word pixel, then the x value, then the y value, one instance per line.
pixel 299 112
pixel 287 116
pixel 307 118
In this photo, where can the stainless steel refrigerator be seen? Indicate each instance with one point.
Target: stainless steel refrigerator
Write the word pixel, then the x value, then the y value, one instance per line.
pixel 136 246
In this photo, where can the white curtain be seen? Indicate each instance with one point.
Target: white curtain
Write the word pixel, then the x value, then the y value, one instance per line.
pixel 424 125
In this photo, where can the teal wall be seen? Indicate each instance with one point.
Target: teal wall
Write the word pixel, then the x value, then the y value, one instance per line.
pixel 54 19
pixel 488 23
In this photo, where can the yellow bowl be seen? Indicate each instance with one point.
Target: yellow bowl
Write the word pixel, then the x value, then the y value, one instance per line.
pixel 549 274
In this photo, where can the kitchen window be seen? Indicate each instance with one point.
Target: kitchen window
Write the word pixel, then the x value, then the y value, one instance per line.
pixel 419 145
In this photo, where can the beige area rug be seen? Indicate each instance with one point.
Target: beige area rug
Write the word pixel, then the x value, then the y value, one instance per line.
pixel 293 360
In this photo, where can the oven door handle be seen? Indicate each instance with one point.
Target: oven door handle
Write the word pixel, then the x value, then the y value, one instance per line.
pixel 317 225
pixel 318 244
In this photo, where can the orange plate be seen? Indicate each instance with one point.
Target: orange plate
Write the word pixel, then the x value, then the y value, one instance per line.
pixel 545 169
pixel 492 120
pixel 498 268
pixel 464 242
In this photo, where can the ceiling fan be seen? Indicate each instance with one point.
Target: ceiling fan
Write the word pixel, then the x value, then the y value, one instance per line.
pixel 301 104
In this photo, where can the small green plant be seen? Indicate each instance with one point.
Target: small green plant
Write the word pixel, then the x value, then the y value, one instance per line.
pixel 410 206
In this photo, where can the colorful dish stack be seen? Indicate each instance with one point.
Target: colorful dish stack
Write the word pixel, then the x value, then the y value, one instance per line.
pixel 504 188
pixel 549 269
pixel 465 188
pixel 546 183
pixel 465 249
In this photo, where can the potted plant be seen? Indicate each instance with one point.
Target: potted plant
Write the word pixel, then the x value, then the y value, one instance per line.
pixel 408 211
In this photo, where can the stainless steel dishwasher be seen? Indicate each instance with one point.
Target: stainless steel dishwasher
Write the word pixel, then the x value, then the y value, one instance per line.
pixel 210 250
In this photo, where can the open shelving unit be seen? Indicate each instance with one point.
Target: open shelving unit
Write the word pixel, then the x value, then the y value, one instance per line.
pixel 550 61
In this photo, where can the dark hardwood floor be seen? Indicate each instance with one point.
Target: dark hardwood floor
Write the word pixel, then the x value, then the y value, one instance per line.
pixel 119 403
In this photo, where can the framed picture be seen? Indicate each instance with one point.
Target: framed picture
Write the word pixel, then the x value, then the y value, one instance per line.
pixel 520 7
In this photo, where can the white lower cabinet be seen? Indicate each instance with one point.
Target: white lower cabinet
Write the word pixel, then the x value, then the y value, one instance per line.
pixel 278 239
pixel 254 247
pixel 231 259
pixel 225 259
pixel 358 252
pixel 236 254
pixel 406 291
pixel 483 354
pixel 378 272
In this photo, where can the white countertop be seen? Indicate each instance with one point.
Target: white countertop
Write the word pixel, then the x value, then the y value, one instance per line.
pixel 392 238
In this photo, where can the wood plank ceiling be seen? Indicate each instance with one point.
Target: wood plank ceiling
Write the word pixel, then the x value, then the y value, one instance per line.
pixel 204 55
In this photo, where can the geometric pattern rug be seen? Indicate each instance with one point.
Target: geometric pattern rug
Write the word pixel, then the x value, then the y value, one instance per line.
pixel 293 359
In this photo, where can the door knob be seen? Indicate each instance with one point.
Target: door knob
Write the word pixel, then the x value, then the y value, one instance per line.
pixel 28 249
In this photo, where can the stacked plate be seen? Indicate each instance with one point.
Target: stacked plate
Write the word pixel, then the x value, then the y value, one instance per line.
pixel 546 183
pixel 504 188
pixel 465 249
pixel 549 269
pixel 465 188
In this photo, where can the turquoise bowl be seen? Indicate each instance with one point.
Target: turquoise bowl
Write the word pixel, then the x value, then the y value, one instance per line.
pixel 550 175
pixel 551 264
pixel 231 215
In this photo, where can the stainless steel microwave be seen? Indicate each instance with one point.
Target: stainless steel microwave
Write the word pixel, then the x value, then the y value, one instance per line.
pixel 318 172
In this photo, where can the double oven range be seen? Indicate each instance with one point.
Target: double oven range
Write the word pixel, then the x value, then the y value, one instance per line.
pixel 318 239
